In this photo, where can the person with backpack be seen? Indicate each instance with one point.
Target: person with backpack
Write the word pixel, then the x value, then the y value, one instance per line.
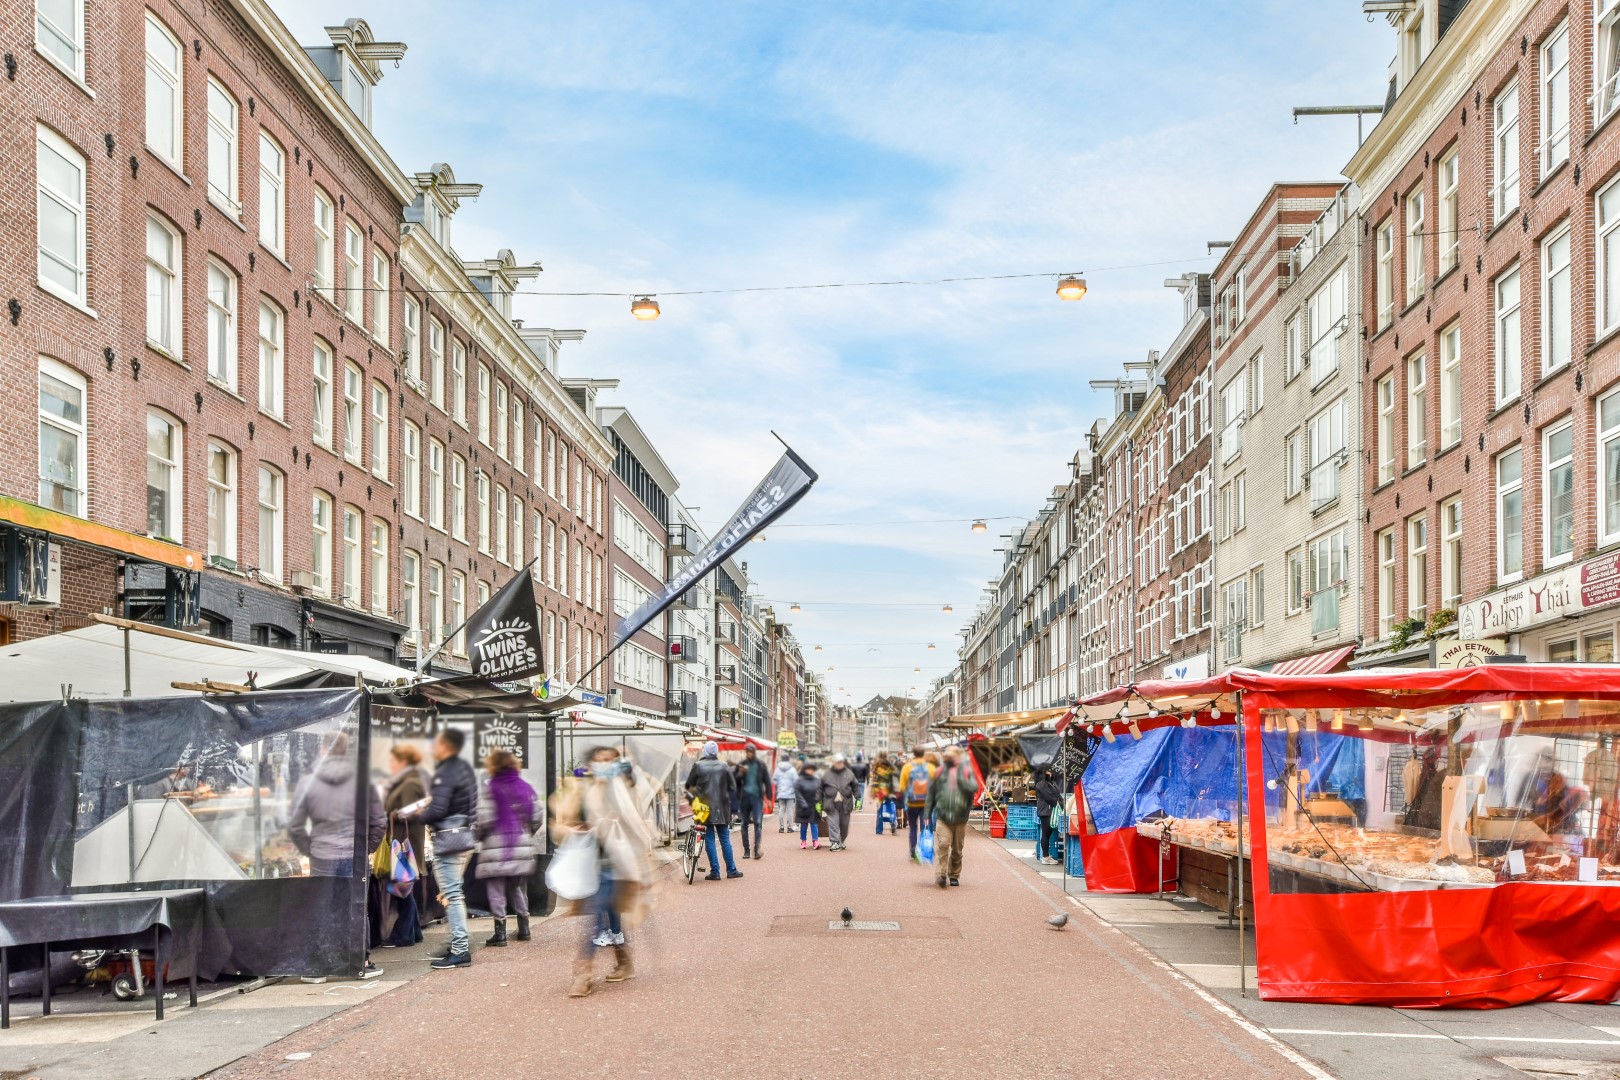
pixel 807 802
pixel 915 777
pixel 950 800
pixel 884 786
pixel 786 802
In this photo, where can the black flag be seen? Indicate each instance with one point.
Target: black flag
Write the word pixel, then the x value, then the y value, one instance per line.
pixel 503 636
pixel 783 486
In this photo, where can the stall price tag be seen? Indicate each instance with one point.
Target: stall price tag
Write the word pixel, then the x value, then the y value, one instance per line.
pixel 1515 862
pixel 1589 869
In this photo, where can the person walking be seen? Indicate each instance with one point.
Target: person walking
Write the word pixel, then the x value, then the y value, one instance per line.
pixel 604 806
pixel 862 770
pixel 837 797
pixel 807 802
pixel 507 848
pixel 402 919
pixel 950 799
pixel 786 803
pixel 451 813
pixel 883 793
pixel 753 786
pixel 1048 797
pixel 914 779
pixel 711 779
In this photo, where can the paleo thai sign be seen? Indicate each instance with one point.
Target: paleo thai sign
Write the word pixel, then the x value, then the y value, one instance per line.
pixel 1568 590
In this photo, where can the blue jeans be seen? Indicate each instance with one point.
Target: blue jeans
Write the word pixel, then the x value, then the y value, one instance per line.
pixel 914 821
pixel 450 870
pixel 605 915
pixel 810 827
pixel 753 817
pixel 724 839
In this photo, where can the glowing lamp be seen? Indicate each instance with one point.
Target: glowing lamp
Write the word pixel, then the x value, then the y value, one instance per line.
pixel 979 526
pixel 1071 288
pixel 644 308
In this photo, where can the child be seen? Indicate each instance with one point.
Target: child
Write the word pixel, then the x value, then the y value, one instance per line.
pixel 806 792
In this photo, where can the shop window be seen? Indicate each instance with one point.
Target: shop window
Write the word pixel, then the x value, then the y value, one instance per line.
pixel 216 626
pixel 271 636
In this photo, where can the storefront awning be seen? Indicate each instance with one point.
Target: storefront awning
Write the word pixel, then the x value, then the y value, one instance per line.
pixel 1316 664
pixel 987 721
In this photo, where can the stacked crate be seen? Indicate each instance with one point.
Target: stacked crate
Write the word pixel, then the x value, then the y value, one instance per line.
pixel 1021 822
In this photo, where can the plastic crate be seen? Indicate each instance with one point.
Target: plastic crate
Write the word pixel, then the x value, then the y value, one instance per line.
pixel 1023 813
pixel 1074 865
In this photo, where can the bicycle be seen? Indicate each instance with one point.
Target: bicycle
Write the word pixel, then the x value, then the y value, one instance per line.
pixel 692 850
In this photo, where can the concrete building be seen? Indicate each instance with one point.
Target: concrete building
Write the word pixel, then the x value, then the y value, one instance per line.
pixel 691 682
pixel 1287 377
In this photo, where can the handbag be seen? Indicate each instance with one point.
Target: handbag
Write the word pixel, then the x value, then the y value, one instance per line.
pixel 381 861
pixel 403 873
pixel 925 844
pixel 573 873
pixel 453 836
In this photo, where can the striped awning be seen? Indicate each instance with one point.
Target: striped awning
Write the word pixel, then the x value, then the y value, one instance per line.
pixel 1316 664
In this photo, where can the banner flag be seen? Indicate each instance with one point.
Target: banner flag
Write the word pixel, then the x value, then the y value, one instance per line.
pixel 784 485
pixel 503 636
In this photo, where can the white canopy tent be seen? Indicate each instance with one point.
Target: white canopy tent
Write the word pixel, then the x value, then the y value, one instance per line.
pixel 654 745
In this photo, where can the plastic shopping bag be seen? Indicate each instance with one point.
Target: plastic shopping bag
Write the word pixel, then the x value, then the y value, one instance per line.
pixel 925 844
pixel 403 873
pixel 572 874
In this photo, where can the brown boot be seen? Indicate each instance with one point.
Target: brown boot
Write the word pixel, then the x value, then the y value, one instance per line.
pixel 622 968
pixel 582 979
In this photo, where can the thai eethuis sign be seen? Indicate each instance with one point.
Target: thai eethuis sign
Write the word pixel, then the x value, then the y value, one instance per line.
pixel 1569 590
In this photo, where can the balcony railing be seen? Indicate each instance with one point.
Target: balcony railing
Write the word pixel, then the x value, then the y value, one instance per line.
pixel 682 703
pixel 682 650
pixel 680 540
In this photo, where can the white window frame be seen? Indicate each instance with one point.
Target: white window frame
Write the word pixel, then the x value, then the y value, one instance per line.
pixel 1385 398
pixel 1234 403
pixel 49 37
pixel 1555 107
pixel 458 612
pixel 322 414
pixel 224 308
pixel 1296 581
pixel 498 526
pixel 1509 344
pixel 481 508
pixel 483 403
pixel 272 519
pixel 437 466
pixel 163 287
pixel 1506 490
pixel 224 148
pixel 458 497
pixel 1607 303
pixel 1557 464
pixel 1451 387
pixel 1293 354
pixel 410 473
pixel 1607 415
pixel 353 540
pixel 1328 567
pixel 1447 177
pixel 1417 410
pixel 502 432
pixel 222 502
pixel 1417 567
pixel 321 519
pixel 1385 548
pixel 1293 466
pixel 411 342
pixel 323 220
pixel 1505 152
pixel 170 467
pixel 162 81
pixel 68 199
pixel 1605 59
pixel 1416 277
pixel 1327 452
pixel 435 370
pixel 381 270
pixel 435 624
pixel 1557 348
pixel 1385 295
pixel 272 194
pixel 1451 553
pixel 379 430
pixel 379 568
pixel 410 596
pixel 272 358
pixel 1326 315
pixel 354 405
pixel 458 381
pixel 354 264
pixel 76 486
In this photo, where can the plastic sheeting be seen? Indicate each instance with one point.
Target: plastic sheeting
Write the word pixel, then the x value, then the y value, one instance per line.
pixel 1337 765
pixel 1040 750
pixel 1177 772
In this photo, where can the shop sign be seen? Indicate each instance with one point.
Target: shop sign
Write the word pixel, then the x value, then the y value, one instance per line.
pixel 1194 667
pixel 1452 653
pixel 501 733
pixel 787 740
pixel 1569 590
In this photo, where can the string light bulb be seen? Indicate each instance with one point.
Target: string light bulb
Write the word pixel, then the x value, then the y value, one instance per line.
pixel 644 308
pixel 1108 732
pixel 1136 732
pixel 1071 287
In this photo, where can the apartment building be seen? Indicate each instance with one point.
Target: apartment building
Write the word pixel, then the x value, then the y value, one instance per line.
pixel 1287 372
pixel 784 680
pixel 1047 590
pixel 1491 303
pixel 691 682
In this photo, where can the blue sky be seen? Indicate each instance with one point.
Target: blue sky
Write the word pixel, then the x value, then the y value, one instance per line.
pixel 641 146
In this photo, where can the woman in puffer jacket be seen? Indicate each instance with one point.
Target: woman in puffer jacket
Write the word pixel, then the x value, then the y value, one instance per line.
pixel 507 849
pixel 786 802
pixel 807 798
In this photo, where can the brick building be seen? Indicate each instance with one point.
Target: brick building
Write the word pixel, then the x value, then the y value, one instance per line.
pixel 1491 196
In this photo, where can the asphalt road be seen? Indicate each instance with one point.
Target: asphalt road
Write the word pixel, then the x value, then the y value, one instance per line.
pixel 743 978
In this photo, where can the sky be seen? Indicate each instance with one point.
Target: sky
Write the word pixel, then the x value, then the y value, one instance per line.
pixel 634 146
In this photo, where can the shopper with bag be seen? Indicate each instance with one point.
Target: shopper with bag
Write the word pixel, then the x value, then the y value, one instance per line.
pixel 839 789
pixel 403 900
pixel 712 779
pixel 1048 797
pixel 950 800
pixel 605 838
pixel 915 776
pixel 451 812
pixel 807 805
pixel 507 849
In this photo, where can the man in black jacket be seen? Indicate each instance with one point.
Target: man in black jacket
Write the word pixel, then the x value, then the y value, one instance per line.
pixel 712 780
pixel 452 808
pixel 753 785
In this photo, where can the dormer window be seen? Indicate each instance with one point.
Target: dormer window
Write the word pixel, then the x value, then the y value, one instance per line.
pixel 357 91
pixel 352 64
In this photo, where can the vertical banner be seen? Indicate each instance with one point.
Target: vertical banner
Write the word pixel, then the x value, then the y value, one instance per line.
pixel 784 485
pixel 503 636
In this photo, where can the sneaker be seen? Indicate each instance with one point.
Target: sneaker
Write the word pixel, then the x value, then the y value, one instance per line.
pixel 370 971
pixel 603 939
pixel 781 828
pixel 759 852
pixel 454 960
pixel 940 881
pixel 733 873
pixel 956 881
pixel 803 846
pixel 618 939
pixel 711 877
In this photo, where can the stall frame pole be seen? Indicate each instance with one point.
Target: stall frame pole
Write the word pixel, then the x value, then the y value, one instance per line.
pixel 1243 804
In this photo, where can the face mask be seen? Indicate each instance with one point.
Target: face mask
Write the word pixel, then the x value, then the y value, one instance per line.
pixel 604 770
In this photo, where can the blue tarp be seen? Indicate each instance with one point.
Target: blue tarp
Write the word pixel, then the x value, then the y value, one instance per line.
pixel 1181 772
pixel 1337 764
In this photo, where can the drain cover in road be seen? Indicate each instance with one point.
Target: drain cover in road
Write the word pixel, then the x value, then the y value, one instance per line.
pixel 867 924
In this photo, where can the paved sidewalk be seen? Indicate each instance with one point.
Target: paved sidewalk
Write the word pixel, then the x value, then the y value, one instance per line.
pixel 743 978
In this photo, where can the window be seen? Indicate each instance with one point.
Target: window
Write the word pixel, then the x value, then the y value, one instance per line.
pixel 1417 567
pixel 1609 465
pixel 61 438
pixel 1505 188
pixel 1556 310
pixel 1414 244
pixel 221 503
pixel 1451 552
pixel 1257 596
pixel 322 411
pixel 483 404
pixel 221 324
pixel 1234 612
pixel 379 430
pixel 271 523
pixel 435 373
pixel 379 568
pixel 165 95
pixel 481 501
pixel 320 554
pixel 351 555
pixel 59 33
pixel 272 194
pixel 458 381
pixel 435 604
pixel 1558 492
pixel 353 390
pixel 379 297
pixel 1257 395
pixel 1329 563
pixel 222 159
pixel 321 270
pixel 410 572
pixel 1240 292
pixel 272 360
pixel 1386 274
pixel 1555 99
pixel 435 482
pixel 1386 429
pixel 1451 385
pixel 500 523
pixel 1509 365
pixel 1293 359
pixel 1449 238
pixel 519 418
pixel 1608 215
pixel 1325 314
pixel 1296 581
pixel 411 471
pixel 1510 515
pixel 354 247
pixel 1385 544
pixel 163 477
pixel 1417 417
pixel 1327 453
pixel 1605 58
pixel 1293 465
pixel 412 343
pixel 162 285
pixel 61 204
pixel 501 440
pixel 548 565
pixel 458 611
pixel 1234 403
pixel 458 497
pixel 518 519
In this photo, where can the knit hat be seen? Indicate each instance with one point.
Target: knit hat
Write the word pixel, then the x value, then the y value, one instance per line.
pixel 711 749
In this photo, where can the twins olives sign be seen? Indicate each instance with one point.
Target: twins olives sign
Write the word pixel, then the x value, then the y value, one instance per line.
pixel 784 485
pixel 503 636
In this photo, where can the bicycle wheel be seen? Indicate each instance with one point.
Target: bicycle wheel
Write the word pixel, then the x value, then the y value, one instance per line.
pixel 690 855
